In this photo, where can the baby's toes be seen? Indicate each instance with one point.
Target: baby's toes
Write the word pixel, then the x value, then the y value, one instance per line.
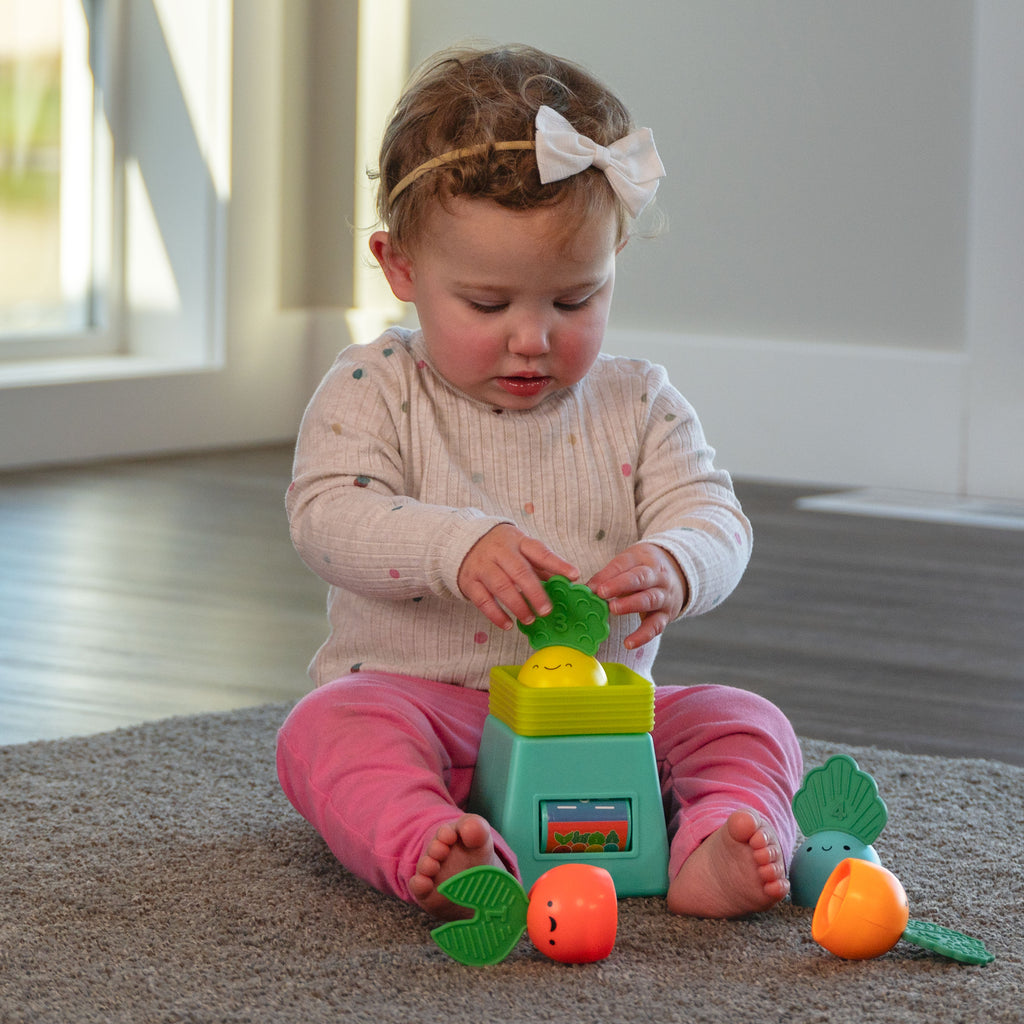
pixel 428 866
pixel 767 855
pixel 437 850
pixel 421 886
pixel 446 835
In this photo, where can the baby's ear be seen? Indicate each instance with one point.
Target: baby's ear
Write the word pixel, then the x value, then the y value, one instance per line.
pixel 397 266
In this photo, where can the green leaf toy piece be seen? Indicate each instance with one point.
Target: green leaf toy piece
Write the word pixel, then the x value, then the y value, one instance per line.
pixel 841 814
pixel 840 797
pixel 955 945
pixel 494 930
pixel 578 619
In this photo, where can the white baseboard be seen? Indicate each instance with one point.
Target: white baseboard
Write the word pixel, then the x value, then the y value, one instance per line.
pixel 847 415
pixel 69 411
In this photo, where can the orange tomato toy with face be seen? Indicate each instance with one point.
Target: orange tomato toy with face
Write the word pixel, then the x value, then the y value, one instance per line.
pixel 573 913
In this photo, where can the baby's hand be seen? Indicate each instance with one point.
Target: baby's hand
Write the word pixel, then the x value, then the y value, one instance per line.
pixel 506 565
pixel 644 579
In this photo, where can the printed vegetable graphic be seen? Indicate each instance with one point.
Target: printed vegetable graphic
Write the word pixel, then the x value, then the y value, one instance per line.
pixel 571 915
pixel 587 842
pixel 566 640
pixel 840 812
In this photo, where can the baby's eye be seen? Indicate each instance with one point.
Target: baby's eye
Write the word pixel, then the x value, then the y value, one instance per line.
pixel 485 307
pixel 572 307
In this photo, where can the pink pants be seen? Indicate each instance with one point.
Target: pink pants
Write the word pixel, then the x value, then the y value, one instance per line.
pixel 376 763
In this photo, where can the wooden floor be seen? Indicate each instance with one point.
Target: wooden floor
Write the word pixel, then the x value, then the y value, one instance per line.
pixel 138 590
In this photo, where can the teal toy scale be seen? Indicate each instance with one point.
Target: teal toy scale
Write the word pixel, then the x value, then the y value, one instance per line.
pixel 567 772
pixel 841 814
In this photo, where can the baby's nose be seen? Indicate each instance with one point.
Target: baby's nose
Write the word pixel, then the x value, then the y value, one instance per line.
pixel 530 338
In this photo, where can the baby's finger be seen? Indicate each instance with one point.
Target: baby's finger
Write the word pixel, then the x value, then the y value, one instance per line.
pixel 485 602
pixel 640 602
pixel 652 626
pixel 525 598
pixel 545 561
pixel 630 580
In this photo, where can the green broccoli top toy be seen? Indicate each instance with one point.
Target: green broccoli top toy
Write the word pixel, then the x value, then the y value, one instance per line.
pixel 566 640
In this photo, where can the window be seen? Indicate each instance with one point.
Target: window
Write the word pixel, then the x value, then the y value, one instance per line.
pixel 47 175
pixel 175 360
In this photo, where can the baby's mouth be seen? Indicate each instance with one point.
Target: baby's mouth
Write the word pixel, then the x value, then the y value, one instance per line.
pixel 525 386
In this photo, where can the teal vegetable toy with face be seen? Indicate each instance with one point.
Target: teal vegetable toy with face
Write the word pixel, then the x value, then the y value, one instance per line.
pixel 840 812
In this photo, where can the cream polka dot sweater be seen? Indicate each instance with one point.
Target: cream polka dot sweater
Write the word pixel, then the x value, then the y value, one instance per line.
pixel 397 474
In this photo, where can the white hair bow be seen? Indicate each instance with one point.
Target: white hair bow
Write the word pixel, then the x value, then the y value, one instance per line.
pixel 632 164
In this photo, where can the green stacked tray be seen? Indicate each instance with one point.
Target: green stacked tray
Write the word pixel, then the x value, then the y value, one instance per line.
pixel 624 705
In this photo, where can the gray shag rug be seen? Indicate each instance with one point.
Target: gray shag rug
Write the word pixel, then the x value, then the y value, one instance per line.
pixel 157 874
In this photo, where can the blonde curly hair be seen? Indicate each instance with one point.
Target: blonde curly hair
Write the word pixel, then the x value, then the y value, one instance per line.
pixel 466 97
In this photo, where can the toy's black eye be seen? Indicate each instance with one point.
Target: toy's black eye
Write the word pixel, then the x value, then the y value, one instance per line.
pixel 810 849
pixel 551 903
pixel 846 848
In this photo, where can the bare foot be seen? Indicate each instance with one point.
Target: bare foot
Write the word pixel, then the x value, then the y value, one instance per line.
pixel 737 870
pixel 462 844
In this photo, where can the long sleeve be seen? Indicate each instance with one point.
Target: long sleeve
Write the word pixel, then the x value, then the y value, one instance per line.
pixel 351 506
pixel 684 504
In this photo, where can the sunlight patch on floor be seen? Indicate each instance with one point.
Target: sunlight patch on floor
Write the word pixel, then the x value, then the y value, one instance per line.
pixel 1001 514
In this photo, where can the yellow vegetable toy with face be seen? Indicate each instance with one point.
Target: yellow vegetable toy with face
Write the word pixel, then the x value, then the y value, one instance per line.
pixel 562 666
pixel 567 639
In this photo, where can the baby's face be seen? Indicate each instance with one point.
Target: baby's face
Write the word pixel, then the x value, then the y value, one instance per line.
pixel 508 317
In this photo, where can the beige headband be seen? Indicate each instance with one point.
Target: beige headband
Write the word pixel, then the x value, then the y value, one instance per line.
pixel 632 164
pixel 450 157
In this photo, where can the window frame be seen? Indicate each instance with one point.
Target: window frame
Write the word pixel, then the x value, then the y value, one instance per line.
pixel 88 203
pixel 238 366
pixel 141 115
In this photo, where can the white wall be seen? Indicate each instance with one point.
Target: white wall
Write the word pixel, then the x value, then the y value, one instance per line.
pixel 995 305
pixel 838 291
pixel 825 293
pixel 817 156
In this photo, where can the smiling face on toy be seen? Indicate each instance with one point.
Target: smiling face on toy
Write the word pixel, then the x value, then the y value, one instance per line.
pixel 573 913
pixel 816 858
pixel 562 666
